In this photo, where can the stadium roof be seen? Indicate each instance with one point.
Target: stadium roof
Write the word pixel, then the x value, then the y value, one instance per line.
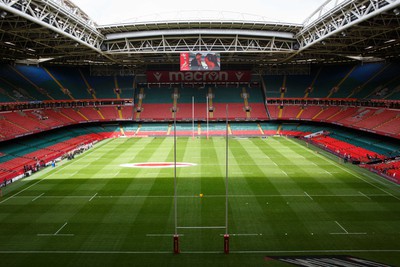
pixel 59 32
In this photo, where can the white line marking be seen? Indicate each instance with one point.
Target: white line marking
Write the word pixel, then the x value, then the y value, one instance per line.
pixel 55 235
pixel 61 228
pixel 357 176
pixel 308 195
pixel 242 234
pixel 216 196
pixel 59 169
pixel 21 191
pixel 37 197
pixel 156 235
pixel 196 252
pixel 73 174
pixel 364 195
pixel 347 233
pixel 93 197
pixel 341 227
pixel 201 227
pixel 285 173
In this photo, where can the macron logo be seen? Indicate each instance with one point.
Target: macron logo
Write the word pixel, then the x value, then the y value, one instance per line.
pixel 157 75
pixel 239 75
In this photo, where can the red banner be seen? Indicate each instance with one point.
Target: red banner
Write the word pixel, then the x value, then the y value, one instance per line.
pixel 198 76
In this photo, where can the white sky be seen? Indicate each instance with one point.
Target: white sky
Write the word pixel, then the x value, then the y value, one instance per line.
pixel 123 11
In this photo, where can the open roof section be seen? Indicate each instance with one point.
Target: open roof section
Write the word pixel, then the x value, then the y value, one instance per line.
pixel 60 31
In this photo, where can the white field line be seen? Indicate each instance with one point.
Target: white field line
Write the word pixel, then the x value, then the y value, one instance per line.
pixel 230 234
pixel 341 227
pixel 19 192
pixel 353 174
pixel 198 252
pixel 308 195
pixel 201 227
pixel 210 196
pixel 37 197
pixel 61 228
pixel 364 195
pixel 57 233
pixel 93 197
pixel 73 174
pixel 284 173
pixel 157 235
pixel 59 169
pixel 345 231
pixel 357 176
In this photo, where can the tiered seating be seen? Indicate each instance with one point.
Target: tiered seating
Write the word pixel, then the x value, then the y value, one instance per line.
pixel 359 115
pixel 255 95
pixel 17 87
pixel 8 129
pixel 357 78
pixel 310 112
pixel 153 129
pixel 381 84
pixel 70 79
pixel 22 120
pixel 46 121
pixel 156 112
pixel 103 86
pixel 328 112
pixel 379 118
pixel 390 126
pixel 273 83
pixel 186 94
pixel 297 84
pixel 290 112
pixel 292 129
pixel 41 85
pixel 214 129
pixel 127 112
pixel 90 113
pixel 390 168
pixel 29 153
pixel 109 113
pixel 273 111
pixel 184 129
pixel 329 77
pixel 56 114
pixel 344 113
pixel 227 95
pixel 184 112
pixel 345 149
pixel 73 114
pixel 235 111
pixel 125 84
pixel 245 128
pixel 258 111
pixel 269 128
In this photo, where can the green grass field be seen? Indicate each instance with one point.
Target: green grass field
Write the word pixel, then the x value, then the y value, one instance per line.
pixel 284 199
